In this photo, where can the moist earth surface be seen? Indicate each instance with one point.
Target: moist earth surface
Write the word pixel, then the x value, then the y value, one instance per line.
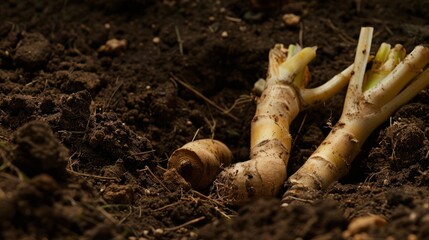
pixel 92 104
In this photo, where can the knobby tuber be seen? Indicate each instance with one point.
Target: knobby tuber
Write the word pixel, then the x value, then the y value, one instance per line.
pixel 283 96
pixel 372 96
pixel 199 162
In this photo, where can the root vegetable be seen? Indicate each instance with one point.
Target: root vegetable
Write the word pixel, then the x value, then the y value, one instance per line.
pixel 199 162
pixel 283 96
pixel 363 224
pixel 371 98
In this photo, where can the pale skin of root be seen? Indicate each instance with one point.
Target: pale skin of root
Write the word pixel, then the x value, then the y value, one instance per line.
pixel 280 102
pixel 265 173
pixel 331 160
pixel 255 178
pixel 333 157
pixel 362 113
pixel 199 162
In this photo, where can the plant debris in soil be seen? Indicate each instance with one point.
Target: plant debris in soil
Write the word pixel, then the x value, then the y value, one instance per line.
pixel 90 112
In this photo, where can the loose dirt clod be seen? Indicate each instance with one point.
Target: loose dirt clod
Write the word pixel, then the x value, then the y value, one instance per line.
pixel 408 142
pixel 118 194
pixel 75 111
pixel 222 69
pixel 32 52
pixel 266 219
pixel 38 151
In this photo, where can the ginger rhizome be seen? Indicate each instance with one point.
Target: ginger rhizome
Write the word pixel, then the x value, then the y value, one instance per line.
pixel 199 162
pixel 372 96
pixel 283 96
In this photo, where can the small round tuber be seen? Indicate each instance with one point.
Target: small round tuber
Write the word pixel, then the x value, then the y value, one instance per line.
pixel 199 162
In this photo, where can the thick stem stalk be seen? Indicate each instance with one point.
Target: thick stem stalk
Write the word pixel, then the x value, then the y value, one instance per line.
pixel 399 77
pixel 361 58
pixel 324 92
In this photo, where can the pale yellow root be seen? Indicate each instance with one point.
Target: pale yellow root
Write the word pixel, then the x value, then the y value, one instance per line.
pixel 333 158
pixel 246 181
pixel 331 161
pixel 265 173
pixel 364 110
pixel 199 162
pixel 283 97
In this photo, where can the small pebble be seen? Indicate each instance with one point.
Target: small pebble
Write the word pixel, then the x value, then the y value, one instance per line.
pixel 363 224
pixel 114 46
pixel 156 40
pixel 291 19
pixel 158 232
pixel 412 237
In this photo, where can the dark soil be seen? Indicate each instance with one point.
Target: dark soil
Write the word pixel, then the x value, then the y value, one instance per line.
pixel 86 128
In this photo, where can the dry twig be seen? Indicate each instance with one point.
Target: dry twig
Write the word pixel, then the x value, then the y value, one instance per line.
pixel 199 94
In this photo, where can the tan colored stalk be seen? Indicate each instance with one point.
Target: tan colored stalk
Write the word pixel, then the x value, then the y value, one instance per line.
pixel 282 98
pixel 392 83
pixel 199 162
